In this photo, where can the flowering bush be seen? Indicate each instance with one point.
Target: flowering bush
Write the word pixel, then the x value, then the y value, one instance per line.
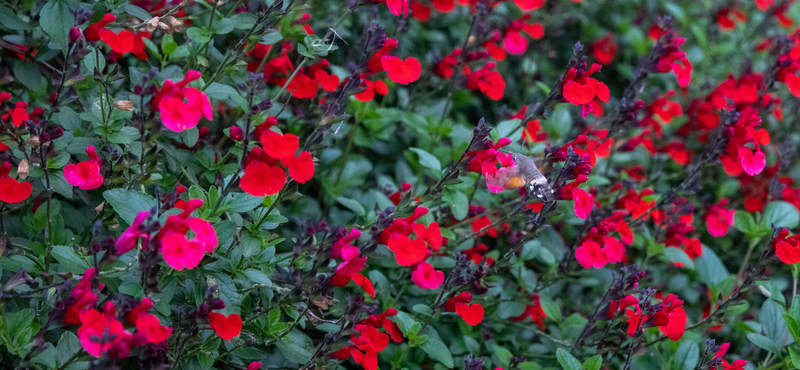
pixel 512 185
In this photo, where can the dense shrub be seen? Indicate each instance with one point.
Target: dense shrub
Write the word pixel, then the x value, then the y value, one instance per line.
pixel 300 184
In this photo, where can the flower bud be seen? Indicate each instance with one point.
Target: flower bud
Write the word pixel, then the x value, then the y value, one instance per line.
pixel 75 34
pixel 236 133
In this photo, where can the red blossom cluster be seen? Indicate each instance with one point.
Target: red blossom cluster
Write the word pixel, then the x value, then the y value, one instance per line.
pixel 370 340
pixel 352 264
pixel 670 318
pixel 262 176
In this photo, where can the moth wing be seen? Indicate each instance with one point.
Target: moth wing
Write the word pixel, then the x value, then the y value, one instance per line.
pixel 497 181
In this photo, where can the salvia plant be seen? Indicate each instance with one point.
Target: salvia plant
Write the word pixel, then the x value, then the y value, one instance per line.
pixel 399 184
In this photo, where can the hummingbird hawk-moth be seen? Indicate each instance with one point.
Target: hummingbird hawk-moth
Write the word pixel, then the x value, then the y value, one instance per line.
pixel 524 172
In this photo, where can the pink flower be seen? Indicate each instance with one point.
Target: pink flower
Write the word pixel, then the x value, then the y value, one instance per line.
pixel 719 219
pixel 426 277
pixel 177 115
pixel 131 235
pixel 85 174
pixel 102 332
pixel 589 255
pixel 180 252
pixel 583 203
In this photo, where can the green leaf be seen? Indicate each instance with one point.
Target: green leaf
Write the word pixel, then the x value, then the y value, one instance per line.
pixel 271 38
pixel 198 35
pixel 190 136
pixel 67 118
pixel 710 267
pixel 549 307
pixel 793 327
pixel 9 19
pixel 687 355
pixel 423 309
pixel 593 363
pixel 128 203
pixel 352 205
pixel 70 259
pixel 137 12
pixel 763 342
pixel 222 27
pixel 436 349
pixel 566 360
pixel 678 255
pixel 795 355
pixel 244 21
pixel 295 347
pixel 780 214
pixel 68 345
pixel 458 202
pixel 510 309
pixel 770 317
pixel 502 354
pixel 56 20
pixel 28 74
pixel 427 159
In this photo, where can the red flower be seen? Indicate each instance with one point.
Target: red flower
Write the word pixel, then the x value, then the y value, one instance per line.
pixel 398 6
pixel 92 32
pixel 426 277
pixel 370 89
pixel 444 69
pixel 11 190
pixel 752 164
pixel 472 314
pixel 401 71
pixel 534 311
pixel 260 179
pixel 121 42
pixel 279 146
pixel 461 298
pixel 127 241
pixel 226 327
pixel 301 167
pixel 527 5
pixel 444 6
pixel 514 42
pixel 580 89
pixel 149 325
pixel 487 81
pixel 719 219
pixel 406 251
pixel 303 87
pixel 726 18
pixel 254 366
pixel 177 115
pixel 787 249
pixel 18 114
pixel 82 293
pixel 86 174
pixel 420 12
pixel 604 49
pixel 675 61
pixel 329 82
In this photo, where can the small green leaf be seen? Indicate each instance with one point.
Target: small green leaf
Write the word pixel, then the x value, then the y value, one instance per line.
pixel 763 342
pixel 780 214
pixel 678 255
pixel 222 27
pixel 566 360
pixel 593 363
pixel 128 203
pixel 436 349
pixel 502 354
pixel 352 205
pixel 427 159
